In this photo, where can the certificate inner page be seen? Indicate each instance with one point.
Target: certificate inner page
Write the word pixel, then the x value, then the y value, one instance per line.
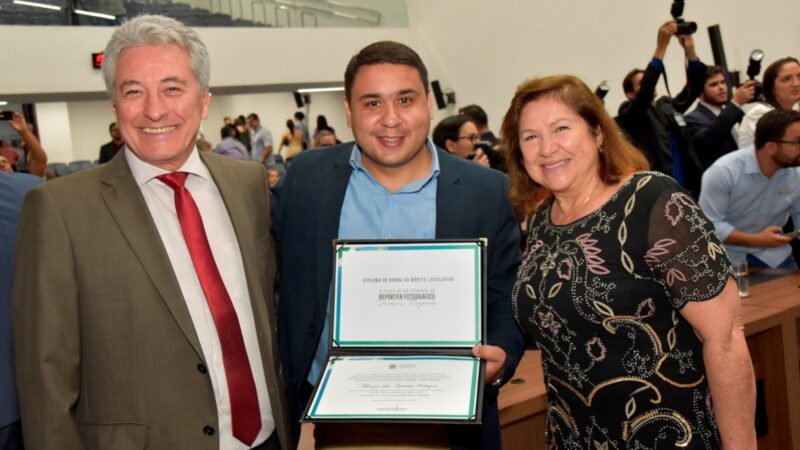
pixel 402 388
pixel 415 295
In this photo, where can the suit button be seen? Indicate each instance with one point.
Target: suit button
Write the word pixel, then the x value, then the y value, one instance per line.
pixel 208 431
pixel 202 368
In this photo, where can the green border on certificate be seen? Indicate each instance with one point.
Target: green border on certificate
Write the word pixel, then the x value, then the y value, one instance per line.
pixel 469 414
pixel 375 247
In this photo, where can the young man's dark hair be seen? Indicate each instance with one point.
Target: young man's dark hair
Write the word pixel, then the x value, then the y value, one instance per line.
pixel 627 82
pixel 249 116
pixel 714 70
pixel 476 114
pixel 111 125
pixel 384 52
pixel 772 125
pixel 299 115
pixel 229 131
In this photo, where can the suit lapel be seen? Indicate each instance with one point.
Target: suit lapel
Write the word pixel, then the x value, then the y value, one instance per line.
pixel 450 201
pixel 125 202
pixel 329 208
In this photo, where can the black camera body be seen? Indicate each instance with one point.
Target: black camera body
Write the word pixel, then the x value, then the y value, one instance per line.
pixel 684 27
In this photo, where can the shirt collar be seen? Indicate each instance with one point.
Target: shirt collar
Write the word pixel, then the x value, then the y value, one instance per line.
pixel 144 172
pixel 355 163
pixel 713 108
pixel 751 162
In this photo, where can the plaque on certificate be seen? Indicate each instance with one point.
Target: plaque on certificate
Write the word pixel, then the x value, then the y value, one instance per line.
pixel 404 316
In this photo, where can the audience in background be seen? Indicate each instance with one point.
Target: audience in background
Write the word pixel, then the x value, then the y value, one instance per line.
pixel 781 88
pixel 109 149
pixel 261 148
pixel 229 146
pixel 711 124
pixel 10 154
pixel 657 127
pixel 300 123
pixel 36 156
pixel 243 134
pixel 327 138
pixel 5 165
pixel 458 135
pixel 478 116
pixel 273 176
pixel 292 140
pixel 749 194
pixel 322 125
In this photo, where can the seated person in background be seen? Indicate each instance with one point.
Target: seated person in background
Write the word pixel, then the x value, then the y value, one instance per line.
pixel 657 127
pixel 10 154
pixel 230 146
pixel 710 124
pixel 478 116
pixel 327 138
pixel 781 88
pixel 274 177
pixel 5 165
pixel 749 194
pixel 458 135
pixel 109 149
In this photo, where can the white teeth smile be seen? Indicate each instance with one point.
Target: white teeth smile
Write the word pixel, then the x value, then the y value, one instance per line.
pixel 550 166
pixel 158 130
pixel 391 139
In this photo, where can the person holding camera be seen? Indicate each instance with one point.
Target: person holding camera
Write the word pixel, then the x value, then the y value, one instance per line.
pixel 711 122
pixel 458 135
pixel 781 91
pixel 658 127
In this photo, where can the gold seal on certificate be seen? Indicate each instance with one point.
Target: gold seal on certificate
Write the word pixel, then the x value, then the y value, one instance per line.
pixel 404 318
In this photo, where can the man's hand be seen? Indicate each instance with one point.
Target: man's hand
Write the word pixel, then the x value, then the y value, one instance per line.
pixel 495 358
pixel 665 33
pixel 481 158
pixel 745 92
pixel 771 237
pixel 687 42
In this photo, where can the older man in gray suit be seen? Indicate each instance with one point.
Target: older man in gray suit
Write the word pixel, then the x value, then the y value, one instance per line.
pixel 143 306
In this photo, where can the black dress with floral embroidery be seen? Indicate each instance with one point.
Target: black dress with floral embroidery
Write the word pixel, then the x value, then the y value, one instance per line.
pixel 601 297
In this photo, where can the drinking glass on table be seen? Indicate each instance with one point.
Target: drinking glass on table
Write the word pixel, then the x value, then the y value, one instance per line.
pixel 742 280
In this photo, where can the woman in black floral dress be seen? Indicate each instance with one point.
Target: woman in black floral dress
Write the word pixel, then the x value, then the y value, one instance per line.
pixel 623 286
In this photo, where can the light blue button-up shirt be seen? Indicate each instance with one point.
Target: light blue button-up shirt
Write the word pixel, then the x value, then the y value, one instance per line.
pixel 370 211
pixel 736 195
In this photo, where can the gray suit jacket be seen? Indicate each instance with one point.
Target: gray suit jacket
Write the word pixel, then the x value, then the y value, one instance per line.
pixel 107 355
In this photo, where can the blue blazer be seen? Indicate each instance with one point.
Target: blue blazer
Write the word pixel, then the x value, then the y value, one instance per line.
pixel 471 202
pixel 711 134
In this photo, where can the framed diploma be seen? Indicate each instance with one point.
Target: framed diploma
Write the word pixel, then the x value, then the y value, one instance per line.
pixel 404 318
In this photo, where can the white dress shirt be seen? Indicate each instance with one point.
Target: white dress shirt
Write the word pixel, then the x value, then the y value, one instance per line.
pixel 225 248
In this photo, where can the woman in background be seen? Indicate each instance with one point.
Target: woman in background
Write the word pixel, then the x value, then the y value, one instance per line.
pixel 781 89
pixel 292 139
pixel 623 286
pixel 322 124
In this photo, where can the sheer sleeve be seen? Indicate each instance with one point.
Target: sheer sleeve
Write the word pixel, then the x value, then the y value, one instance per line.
pixel 683 251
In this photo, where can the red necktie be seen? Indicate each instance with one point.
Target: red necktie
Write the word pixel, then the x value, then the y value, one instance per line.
pixel 245 413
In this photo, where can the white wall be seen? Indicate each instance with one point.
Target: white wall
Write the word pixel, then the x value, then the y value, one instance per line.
pixel 55 132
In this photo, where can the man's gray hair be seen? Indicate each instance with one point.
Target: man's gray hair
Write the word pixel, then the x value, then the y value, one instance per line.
pixel 155 30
